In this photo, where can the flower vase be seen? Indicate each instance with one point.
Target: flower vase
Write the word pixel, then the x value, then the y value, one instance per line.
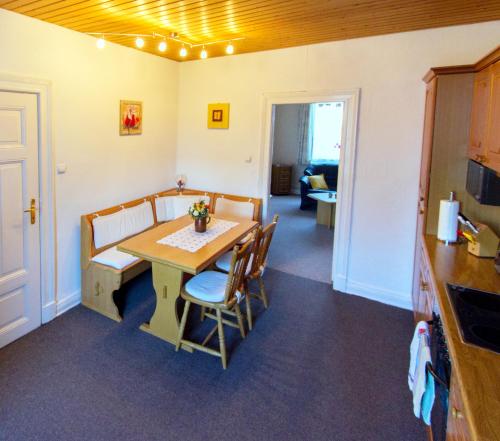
pixel 200 224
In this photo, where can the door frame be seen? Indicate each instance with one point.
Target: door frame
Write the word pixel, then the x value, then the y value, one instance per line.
pixel 46 203
pixel 345 186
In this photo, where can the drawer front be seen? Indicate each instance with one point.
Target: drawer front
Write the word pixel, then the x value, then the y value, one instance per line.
pixel 457 427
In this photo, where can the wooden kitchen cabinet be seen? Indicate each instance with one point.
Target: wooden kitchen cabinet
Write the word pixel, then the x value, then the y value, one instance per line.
pixel 492 153
pixel 479 114
pixel 424 296
pixel 484 143
pixel 457 427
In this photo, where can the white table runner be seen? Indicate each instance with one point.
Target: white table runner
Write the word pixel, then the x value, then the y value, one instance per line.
pixel 189 240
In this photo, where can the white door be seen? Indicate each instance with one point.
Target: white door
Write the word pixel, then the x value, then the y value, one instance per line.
pixel 20 305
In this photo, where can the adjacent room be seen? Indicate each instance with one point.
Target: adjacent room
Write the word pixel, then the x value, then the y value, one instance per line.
pixel 306 144
pixel 249 220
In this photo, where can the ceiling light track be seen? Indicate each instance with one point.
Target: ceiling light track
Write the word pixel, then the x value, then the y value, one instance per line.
pixel 173 36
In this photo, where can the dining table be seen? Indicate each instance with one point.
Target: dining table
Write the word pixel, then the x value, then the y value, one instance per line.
pixel 171 263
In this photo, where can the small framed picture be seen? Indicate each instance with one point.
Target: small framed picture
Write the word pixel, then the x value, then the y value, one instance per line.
pixel 130 117
pixel 218 116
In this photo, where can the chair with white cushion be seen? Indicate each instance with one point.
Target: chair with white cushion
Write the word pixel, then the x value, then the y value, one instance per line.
pixel 222 293
pixel 256 267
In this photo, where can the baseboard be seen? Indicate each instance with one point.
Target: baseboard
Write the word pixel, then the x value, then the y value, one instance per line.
pixel 69 302
pixel 49 312
pixel 394 298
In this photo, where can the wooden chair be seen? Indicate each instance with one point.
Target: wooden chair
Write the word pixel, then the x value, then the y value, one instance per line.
pixel 213 290
pixel 257 265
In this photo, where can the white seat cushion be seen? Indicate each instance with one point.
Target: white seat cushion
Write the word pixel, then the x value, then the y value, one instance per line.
pixel 224 262
pixel 227 207
pixel 114 258
pixel 209 286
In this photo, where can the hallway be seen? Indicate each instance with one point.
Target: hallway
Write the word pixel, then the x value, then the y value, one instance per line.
pixel 300 246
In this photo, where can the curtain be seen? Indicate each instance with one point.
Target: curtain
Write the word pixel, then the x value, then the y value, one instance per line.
pixel 304 134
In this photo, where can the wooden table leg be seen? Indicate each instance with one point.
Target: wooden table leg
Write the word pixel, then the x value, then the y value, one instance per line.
pixel 164 323
pixel 325 214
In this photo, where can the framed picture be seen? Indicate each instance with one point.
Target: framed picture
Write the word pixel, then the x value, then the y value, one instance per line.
pixel 218 116
pixel 130 117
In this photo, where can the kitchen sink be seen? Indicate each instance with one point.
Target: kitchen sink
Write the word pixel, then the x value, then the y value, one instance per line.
pixel 478 314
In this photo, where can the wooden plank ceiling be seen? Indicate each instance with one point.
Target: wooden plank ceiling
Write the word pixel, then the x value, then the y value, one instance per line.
pixel 262 24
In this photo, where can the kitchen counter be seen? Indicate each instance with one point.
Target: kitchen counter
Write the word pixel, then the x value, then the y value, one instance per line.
pixel 476 370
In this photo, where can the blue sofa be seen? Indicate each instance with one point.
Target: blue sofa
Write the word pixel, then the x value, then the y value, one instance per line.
pixel 329 170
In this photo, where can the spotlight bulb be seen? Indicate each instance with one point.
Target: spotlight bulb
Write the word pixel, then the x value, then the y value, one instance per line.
pixel 183 52
pixel 139 42
pixel 203 54
pixel 101 43
pixel 162 47
pixel 229 49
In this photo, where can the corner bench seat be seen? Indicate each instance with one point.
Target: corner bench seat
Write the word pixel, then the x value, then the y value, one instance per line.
pixel 114 258
pixel 105 269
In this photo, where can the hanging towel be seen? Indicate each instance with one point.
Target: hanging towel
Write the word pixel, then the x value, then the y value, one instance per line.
pixel 420 355
pixel 428 399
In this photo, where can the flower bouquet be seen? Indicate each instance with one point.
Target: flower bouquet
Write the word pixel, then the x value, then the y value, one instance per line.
pixel 199 211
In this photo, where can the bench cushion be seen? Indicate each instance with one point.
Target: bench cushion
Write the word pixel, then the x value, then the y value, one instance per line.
pixel 114 258
pixel 227 207
pixel 172 207
pixel 124 223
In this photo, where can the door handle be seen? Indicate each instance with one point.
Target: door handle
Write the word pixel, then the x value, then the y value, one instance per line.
pixel 32 211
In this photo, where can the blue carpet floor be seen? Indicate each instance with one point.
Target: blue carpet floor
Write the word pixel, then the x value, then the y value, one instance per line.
pixel 317 366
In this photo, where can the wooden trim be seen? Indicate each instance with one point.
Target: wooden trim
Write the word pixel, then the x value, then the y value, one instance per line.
pixel 483 63
pixel 488 60
pixel 448 70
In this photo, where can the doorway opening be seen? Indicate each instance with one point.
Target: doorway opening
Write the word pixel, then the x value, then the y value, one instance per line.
pixel 307 173
pixel 306 144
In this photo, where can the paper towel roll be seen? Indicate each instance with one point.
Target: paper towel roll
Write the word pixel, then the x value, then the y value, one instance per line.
pixel 448 220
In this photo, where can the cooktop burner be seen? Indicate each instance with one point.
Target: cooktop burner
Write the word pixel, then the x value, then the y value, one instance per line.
pixel 478 314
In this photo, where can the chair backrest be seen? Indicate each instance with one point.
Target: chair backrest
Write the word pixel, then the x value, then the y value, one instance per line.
pixel 237 206
pixel 261 247
pixel 237 270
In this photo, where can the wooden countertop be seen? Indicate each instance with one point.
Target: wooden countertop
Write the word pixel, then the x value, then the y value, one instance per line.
pixel 476 370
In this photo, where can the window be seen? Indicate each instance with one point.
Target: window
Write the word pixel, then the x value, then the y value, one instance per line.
pixel 325 131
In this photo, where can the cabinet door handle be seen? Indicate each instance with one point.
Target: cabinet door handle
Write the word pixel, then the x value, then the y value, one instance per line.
pixel 456 413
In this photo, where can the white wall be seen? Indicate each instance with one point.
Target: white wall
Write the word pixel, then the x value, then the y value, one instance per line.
pixel 389 71
pixel 87 85
pixel 286 140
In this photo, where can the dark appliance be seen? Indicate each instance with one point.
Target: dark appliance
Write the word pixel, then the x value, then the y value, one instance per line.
pixel 483 184
pixel 478 316
pixel 441 371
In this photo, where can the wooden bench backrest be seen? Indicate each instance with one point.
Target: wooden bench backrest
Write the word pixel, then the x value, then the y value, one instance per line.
pixel 185 192
pixel 88 249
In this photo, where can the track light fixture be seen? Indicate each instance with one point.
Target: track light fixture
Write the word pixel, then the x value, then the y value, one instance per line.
pixel 140 42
